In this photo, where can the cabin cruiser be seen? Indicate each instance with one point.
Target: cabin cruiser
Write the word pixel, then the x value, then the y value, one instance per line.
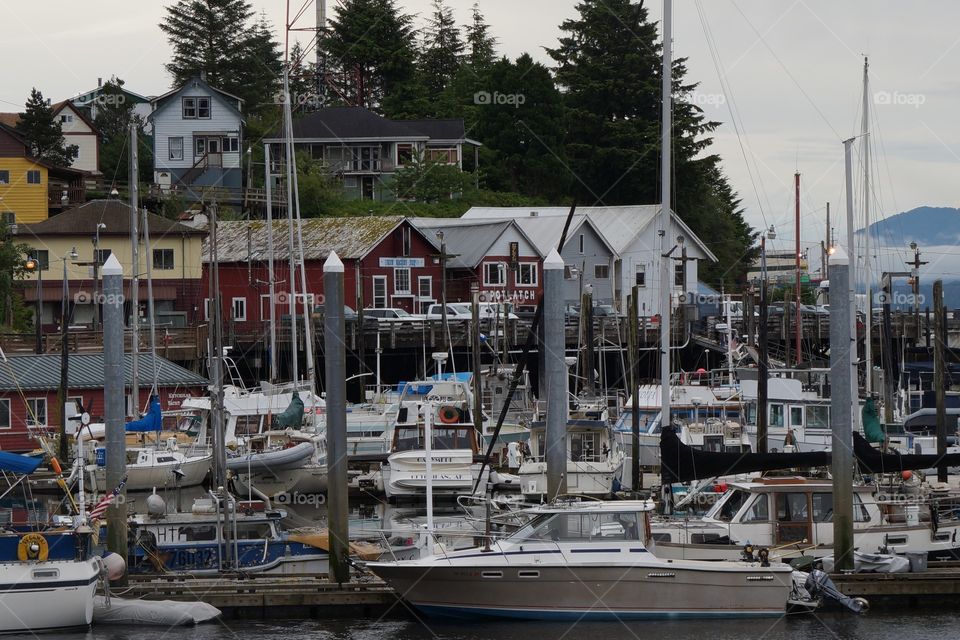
pixel 568 555
pixel 594 456
pixel 793 516
pixel 48 575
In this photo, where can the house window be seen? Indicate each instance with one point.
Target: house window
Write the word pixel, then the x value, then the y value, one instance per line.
pixel 33 176
pixel 405 241
pixel 9 218
pixel 66 118
pixel 36 412
pixel 4 413
pixel 493 275
pixel 379 292
pixel 201 147
pixel 569 273
pixel 316 152
pixel 42 256
pixel 4 177
pixel 203 108
pixel 163 259
pixel 641 275
pixel 446 155
pixel 239 309
pixel 231 144
pixel 175 146
pixel 580 243
pixel 401 280
pixel 678 275
pixel 526 275
pixel 425 287
pixel 100 255
pixel 404 154
pixel 189 108
pixel 601 271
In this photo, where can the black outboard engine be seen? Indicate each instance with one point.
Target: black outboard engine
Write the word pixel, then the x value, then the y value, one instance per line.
pixel 819 584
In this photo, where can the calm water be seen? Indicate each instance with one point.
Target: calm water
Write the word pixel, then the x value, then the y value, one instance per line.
pixel 873 626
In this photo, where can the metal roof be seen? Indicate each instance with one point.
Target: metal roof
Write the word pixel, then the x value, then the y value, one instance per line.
pixel 85 371
pixel 341 124
pixel 351 237
pixel 618 225
pixel 115 214
pixel 469 240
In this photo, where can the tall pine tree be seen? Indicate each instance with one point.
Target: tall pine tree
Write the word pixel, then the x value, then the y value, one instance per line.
pixel 219 37
pixel 481 46
pixel 370 56
pixel 43 133
pixel 442 49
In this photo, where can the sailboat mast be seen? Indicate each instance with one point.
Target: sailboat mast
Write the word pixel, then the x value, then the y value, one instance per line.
pixel 134 276
pixel 664 231
pixel 798 330
pixel 867 271
pixel 150 310
pixel 271 279
pixel 288 146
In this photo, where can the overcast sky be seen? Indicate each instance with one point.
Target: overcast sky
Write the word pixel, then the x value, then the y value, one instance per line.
pixel 793 72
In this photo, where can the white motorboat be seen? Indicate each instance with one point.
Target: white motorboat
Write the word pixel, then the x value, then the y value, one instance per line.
pixel 148 467
pixel 585 561
pixel 793 516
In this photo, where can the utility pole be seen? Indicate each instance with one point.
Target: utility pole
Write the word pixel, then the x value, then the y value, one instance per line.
pixel 940 375
pixel 64 449
pixel 134 276
pixel 916 264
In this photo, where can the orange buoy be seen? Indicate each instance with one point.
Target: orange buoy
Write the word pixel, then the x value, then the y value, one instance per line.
pixel 906 475
pixel 448 414
pixel 55 466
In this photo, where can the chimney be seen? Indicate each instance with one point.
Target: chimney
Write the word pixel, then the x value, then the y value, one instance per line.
pixel 99 82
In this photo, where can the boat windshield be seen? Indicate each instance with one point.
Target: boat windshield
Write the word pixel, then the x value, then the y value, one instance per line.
pixel 453 437
pixel 728 505
pixel 596 526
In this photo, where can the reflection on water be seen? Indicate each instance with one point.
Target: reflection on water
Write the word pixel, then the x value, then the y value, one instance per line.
pixel 875 626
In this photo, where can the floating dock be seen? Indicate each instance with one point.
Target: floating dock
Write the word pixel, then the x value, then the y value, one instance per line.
pixel 938 584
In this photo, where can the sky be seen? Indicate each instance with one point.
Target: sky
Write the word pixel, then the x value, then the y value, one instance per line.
pixel 791 88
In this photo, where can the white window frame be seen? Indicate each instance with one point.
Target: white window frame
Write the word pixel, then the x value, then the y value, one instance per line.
pixel 580 243
pixel 406 241
pixel 534 281
pixel 382 302
pixel 396 281
pixel 499 270
pixel 36 172
pixel 678 271
pixel 9 423
pixel 209 107
pixel 160 266
pixel 191 104
pixel 429 288
pixel 238 317
pixel 170 148
pixel 638 270
pixel 264 307
pixel 32 411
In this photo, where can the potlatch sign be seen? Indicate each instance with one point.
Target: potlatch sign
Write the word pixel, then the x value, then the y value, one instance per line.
pixel 401 262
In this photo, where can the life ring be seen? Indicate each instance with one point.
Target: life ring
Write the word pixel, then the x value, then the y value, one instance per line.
pixel 32 546
pixel 448 414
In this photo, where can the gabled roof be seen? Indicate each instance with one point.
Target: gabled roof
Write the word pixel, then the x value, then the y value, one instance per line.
pixel 115 214
pixel 64 104
pixel 470 240
pixel 349 123
pixel 9 119
pixel 229 99
pixel 620 225
pixel 52 169
pixel 351 237
pixel 85 371
pixel 80 97
pixel 545 232
pixel 439 129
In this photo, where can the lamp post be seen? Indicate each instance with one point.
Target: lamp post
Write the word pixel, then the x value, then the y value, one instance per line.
pixel 64 450
pixel 35 264
pixel 96 276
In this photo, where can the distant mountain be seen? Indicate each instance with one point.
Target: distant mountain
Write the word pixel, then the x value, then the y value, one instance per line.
pixel 903 295
pixel 927 226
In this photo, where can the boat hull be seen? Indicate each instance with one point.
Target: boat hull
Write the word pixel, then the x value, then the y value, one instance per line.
pixel 558 592
pixel 145 478
pixel 33 602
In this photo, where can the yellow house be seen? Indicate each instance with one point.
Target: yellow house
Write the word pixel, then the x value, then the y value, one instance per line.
pixel 82 238
pixel 29 188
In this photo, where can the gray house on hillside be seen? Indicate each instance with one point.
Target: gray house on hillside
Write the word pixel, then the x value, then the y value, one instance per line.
pixel 197 140
pixel 363 149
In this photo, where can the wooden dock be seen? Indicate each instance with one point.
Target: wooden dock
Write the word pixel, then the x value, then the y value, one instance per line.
pixel 929 587
pixel 262 597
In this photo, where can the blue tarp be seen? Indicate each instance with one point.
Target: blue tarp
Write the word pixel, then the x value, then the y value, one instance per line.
pixel 16 463
pixel 153 421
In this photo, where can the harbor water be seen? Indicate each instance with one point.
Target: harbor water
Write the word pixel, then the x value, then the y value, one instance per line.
pixel 400 624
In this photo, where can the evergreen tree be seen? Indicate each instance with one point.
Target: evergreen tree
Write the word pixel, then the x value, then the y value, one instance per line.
pixel 609 66
pixel 370 56
pixel 13 313
pixel 218 38
pixel 442 49
pixel 114 117
pixel 481 46
pixel 43 133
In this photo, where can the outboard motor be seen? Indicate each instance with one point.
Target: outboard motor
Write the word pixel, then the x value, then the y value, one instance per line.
pixel 819 584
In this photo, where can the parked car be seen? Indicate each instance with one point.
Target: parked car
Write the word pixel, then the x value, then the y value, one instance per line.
pixel 348 313
pixel 494 310
pixel 605 311
pixel 455 311
pixel 391 314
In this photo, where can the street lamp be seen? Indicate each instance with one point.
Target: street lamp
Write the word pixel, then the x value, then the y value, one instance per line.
pixel 33 264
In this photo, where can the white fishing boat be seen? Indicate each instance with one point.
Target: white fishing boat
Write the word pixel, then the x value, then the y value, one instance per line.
pixel 793 516
pixel 168 465
pixel 584 561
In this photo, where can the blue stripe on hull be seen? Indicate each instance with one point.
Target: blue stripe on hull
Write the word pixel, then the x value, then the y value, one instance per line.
pixel 587 614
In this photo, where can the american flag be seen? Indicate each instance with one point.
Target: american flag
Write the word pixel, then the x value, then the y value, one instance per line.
pixel 107 500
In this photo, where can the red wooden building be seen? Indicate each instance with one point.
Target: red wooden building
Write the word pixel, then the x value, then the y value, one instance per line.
pixel 388 263
pixel 29 385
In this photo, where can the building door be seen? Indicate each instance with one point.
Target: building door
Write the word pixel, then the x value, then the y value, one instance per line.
pixel 367 184
pixel 379 292
pixel 793 517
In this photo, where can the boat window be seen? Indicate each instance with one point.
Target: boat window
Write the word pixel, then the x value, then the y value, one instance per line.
pixel 759 511
pixel 588 526
pixel 408 438
pixel 791 507
pixel 796 416
pixel 247 425
pixel 166 459
pixel 198 533
pixel 750 413
pixel 585 447
pixel 451 438
pixel 776 415
pixel 822 507
pixel 732 504
pixel 253 531
pixel 818 416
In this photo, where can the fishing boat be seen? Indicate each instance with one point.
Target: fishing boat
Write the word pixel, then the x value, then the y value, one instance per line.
pixel 584 561
pixel 48 575
pixel 794 517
